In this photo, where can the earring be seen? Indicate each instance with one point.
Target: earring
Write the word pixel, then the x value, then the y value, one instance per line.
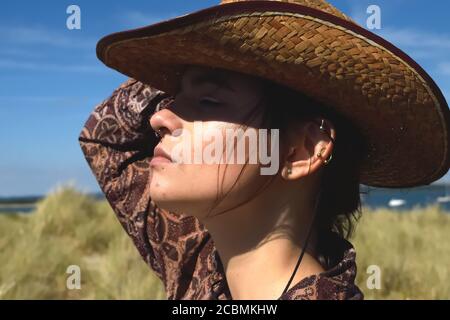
pixel 158 133
pixel 289 170
pixel 329 159
pixel 321 126
pixel 320 156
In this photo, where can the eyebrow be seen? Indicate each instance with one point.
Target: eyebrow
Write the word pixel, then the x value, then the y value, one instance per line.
pixel 213 78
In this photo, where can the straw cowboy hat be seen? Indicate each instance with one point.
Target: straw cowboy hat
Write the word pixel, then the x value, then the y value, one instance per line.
pixel 309 46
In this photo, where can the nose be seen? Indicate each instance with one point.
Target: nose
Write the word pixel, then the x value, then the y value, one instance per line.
pixel 165 121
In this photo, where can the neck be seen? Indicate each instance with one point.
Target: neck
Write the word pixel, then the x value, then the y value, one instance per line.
pixel 259 245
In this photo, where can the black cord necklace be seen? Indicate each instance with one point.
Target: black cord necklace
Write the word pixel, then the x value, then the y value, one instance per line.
pixel 304 246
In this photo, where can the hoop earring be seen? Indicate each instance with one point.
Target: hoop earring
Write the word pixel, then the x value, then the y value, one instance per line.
pixel 320 156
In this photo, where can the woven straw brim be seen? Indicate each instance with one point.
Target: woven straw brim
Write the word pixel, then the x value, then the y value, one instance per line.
pixel 393 102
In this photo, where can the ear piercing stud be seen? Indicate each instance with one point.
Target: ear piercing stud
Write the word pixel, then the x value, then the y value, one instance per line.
pixel 322 127
pixel 158 133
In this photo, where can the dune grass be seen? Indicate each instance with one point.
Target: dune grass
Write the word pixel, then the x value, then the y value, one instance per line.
pixel 412 250
pixel 71 228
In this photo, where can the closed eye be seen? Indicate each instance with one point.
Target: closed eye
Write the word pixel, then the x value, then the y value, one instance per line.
pixel 209 101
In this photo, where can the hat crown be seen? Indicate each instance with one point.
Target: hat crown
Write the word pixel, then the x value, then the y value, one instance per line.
pixel 321 5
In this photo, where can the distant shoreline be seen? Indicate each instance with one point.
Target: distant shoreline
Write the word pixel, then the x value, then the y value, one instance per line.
pixel 15 205
pixel 100 195
pixel 19 200
pixel 16 208
pixel 406 198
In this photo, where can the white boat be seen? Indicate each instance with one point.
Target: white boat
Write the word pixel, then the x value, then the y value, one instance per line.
pixel 396 202
pixel 446 198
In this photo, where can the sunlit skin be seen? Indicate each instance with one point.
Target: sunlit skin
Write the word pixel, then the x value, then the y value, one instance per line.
pixel 259 242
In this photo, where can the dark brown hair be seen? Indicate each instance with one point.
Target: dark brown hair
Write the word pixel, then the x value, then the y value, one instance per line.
pixel 340 202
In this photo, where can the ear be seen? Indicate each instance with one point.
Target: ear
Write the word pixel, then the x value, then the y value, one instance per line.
pixel 309 148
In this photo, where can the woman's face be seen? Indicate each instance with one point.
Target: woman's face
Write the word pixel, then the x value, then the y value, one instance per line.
pixel 196 131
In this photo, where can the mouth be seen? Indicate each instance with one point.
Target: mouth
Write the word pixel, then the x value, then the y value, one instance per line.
pixel 160 156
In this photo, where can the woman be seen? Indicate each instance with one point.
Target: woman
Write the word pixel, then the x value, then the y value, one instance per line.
pixel 350 109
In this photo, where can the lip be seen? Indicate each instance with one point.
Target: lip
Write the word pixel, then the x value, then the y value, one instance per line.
pixel 160 156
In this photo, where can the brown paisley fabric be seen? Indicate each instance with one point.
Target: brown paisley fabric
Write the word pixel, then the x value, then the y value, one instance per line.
pixel 118 143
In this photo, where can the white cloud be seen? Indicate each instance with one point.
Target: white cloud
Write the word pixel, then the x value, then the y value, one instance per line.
pixel 25 35
pixel 37 66
pixel 63 104
pixel 420 45
pixel 415 38
pixel 43 99
pixel 136 19
pixel 22 53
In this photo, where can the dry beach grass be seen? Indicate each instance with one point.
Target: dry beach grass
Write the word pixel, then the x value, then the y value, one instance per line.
pixel 71 228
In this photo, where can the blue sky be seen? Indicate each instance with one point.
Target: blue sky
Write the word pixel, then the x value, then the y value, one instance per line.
pixel 50 78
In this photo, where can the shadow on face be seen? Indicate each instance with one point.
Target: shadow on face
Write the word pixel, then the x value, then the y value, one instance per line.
pixel 211 94
pixel 220 100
